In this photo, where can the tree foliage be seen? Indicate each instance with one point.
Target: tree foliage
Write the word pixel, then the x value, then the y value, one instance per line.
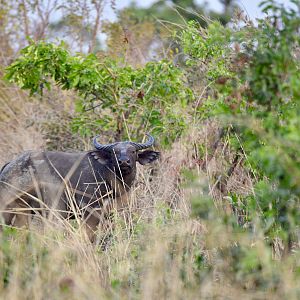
pixel 254 71
pixel 124 99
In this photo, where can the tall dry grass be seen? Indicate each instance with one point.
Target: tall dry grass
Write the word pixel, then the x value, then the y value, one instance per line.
pixel 18 131
pixel 155 248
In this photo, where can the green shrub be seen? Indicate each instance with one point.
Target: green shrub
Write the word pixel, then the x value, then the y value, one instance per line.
pixel 252 73
pixel 112 96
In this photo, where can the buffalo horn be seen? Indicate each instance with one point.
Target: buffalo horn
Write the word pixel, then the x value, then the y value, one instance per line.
pixel 138 146
pixel 99 146
pixel 141 146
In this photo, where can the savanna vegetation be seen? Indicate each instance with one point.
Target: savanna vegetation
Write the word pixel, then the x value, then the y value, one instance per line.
pixel 219 216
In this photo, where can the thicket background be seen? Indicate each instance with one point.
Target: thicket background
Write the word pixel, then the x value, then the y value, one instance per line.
pixel 218 216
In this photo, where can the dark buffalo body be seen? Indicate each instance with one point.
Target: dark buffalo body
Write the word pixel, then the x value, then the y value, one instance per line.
pixel 64 183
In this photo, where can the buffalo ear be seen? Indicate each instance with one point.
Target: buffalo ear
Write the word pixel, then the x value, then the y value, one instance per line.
pixel 147 157
pixel 102 157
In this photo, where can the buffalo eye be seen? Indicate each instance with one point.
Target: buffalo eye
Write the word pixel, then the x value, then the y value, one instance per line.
pixel 117 152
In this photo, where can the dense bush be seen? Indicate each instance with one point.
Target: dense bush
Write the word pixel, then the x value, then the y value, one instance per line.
pixel 253 72
pixel 112 96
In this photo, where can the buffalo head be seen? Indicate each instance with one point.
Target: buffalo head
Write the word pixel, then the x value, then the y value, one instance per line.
pixel 122 156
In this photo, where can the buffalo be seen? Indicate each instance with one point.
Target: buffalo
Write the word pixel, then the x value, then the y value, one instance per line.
pixel 88 183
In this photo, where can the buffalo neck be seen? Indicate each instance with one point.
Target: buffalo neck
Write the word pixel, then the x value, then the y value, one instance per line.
pixel 126 178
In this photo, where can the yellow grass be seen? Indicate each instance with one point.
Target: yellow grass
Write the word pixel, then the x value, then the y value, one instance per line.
pixel 154 248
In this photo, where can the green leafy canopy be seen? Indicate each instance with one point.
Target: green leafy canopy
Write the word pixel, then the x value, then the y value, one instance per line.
pixel 112 93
